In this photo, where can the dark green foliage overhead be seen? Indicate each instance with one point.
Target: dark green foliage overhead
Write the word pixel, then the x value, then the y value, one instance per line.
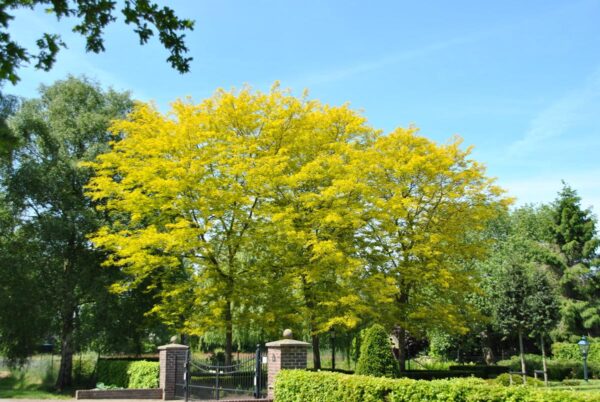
pixel 92 18
pixel 376 356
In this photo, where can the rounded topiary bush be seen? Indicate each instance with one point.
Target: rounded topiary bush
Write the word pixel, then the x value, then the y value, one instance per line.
pixel 376 356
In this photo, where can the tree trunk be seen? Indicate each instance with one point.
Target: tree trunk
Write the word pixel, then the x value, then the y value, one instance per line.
pixel 523 372
pixel 228 334
pixel 316 352
pixel 401 333
pixel 544 360
pixel 65 372
pixel 486 348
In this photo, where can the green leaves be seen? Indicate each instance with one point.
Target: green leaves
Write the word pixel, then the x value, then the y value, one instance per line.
pixel 94 16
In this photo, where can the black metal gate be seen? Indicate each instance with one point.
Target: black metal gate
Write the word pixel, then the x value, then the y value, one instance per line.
pixel 203 380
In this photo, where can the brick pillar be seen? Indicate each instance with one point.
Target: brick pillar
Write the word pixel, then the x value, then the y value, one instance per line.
pixel 172 360
pixel 286 354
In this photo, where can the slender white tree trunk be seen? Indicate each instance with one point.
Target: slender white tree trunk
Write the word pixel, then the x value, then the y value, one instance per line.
pixel 522 356
pixel 544 360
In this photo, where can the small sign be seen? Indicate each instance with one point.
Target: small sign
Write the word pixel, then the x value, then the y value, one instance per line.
pixel 265 360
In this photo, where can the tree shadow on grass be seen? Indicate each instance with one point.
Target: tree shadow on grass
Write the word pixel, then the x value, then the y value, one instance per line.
pixel 16 384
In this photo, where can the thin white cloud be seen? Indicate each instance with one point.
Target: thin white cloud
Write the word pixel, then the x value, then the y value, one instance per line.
pixel 522 22
pixel 560 116
pixel 544 188
pixel 343 73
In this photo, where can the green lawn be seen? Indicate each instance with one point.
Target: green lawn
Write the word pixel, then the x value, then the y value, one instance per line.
pixel 20 386
pixel 592 386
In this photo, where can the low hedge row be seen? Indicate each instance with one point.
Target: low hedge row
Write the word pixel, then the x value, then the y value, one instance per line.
pixel 482 371
pixel 304 386
pixel 128 374
pixel 558 370
pixel 453 372
pixel 436 374
pixel 570 351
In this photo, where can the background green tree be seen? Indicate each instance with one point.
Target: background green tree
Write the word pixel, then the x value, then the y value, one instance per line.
pixel 574 261
pixel 44 180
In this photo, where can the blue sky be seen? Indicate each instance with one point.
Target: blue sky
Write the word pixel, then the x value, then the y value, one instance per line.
pixel 519 80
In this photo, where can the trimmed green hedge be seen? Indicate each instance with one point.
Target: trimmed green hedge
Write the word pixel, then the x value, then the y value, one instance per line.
pixel 481 371
pixel 558 370
pixel 570 351
pixel 436 374
pixel 128 374
pixel 304 386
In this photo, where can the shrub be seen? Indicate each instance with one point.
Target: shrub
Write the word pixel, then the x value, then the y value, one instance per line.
pixel 113 372
pixel 143 374
pixel 570 351
pixel 304 386
pixel 376 356
pixel 558 370
pixel 128 374
pixel 504 379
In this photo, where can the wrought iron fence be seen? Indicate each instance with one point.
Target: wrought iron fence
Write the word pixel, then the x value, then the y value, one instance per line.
pixel 202 380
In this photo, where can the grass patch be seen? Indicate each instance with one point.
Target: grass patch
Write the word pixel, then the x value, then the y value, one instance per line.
pixel 591 386
pixel 19 385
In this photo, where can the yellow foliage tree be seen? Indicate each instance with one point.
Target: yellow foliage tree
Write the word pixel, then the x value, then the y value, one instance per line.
pixel 426 207
pixel 263 209
pixel 199 200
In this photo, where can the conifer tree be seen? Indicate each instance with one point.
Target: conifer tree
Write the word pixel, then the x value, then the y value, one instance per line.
pixel 574 262
pixel 376 356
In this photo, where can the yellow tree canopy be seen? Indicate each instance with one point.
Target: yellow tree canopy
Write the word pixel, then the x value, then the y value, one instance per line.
pixel 426 207
pixel 266 209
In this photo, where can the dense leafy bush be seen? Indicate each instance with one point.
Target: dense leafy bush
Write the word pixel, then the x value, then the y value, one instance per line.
pixel 113 372
pixel 558 370
pixel 570 351
pixel 504 379
pixel 376 356
pixel 143 374
pixel 304 386
pixel 128 374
